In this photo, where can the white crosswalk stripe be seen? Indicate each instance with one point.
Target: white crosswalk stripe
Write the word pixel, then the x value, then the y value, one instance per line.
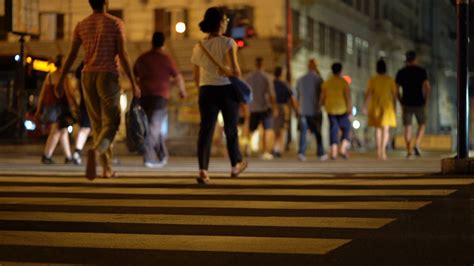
pixel 32 207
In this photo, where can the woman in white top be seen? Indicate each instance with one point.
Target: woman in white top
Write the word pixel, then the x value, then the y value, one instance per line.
pixel 216 93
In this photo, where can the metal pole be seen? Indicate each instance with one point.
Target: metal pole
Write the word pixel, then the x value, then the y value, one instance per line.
pixel 21 89
pixel 289 54
pixel 463 74
pixel 289 39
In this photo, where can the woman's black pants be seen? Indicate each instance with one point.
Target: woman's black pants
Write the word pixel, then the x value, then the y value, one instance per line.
pixel 212 100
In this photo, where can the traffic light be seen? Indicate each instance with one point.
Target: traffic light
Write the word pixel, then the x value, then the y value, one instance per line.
pixel 241 43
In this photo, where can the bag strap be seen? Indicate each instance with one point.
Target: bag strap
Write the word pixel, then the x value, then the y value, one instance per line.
pixel 209 55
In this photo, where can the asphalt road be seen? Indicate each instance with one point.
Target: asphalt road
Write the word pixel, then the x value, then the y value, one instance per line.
pixel 356 212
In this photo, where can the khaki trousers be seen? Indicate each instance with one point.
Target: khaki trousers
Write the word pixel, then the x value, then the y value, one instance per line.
pixel 102 99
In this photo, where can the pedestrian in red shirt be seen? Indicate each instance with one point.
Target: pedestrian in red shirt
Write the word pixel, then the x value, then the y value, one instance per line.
pixel 153 71
pixel 103 39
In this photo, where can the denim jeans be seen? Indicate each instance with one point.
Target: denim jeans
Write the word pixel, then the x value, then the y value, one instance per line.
pixel 155 147
pixel 312 123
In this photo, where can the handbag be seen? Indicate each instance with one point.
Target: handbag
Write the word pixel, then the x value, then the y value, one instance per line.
pixel 137 127
pixel 242 88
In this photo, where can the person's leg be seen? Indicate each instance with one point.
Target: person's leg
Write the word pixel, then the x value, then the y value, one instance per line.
pixel 385 138
pixel 303 131
pixel 151 139
pixel 345 125
pixel 278 129
pixel 407 118
pixel 378 138
pixel 230 112
pixel 109 93
pixel 316 129
pixel 209 112
pixel 81 139
pixel 51 143
pixel 162 150
pixel 420 115
pixel 334 135
pixel 92 102
pixel 64 141
pixel 83 134
pixel 268 134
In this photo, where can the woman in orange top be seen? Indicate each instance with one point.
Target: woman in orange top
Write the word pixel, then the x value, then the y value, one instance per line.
pixel 380 101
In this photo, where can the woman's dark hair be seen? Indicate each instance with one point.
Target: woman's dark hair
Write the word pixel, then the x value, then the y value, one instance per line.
pixel 336 68
pixel 381 67
pixel 278 71
pixel 97 4
pixel 212 20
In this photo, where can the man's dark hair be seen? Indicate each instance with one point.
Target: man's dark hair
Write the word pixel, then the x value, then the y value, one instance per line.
pixel 212 20
pixel 336 68
pixel 381 66
pixel 158 39
pixel 410 56
pixel 278 71
pixel 97 4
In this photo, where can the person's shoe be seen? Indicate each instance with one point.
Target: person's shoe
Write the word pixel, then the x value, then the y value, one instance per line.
pixel 68 160
pixel 323 157
pixel 109 174
pixel 409 155
pixel 76 158
pixel 91 167
pixel 164 160
pixel 301 157
pixel 240 167
pixel 46 160
pixel 267 156
pixel 344 156
pixel 203 179
pixel 417 151
pixel 276 154
pixel 153 164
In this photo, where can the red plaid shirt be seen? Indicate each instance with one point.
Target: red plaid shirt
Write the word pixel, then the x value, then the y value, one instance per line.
pixel 99 34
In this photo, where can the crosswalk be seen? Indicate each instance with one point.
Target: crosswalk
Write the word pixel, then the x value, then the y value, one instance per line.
pixel 57 219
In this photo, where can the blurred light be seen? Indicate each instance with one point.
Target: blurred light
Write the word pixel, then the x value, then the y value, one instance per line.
pixel 44 66
pixel 348 79
pixel 123 102
pixel 356 124
pixel 240 43
pixel 354 111
pixel 220 120
pixel 70 129
pixel 180 27
pixel 255 142
pixel 29 60
pixel 30 125
pixel 164 127
pixel 17 58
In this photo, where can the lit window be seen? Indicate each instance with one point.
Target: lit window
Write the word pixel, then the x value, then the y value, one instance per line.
pixel 350 44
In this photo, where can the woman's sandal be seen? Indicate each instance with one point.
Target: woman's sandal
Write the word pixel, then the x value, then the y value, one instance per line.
pixel 203 179
pixel 110 176
pixel 240 168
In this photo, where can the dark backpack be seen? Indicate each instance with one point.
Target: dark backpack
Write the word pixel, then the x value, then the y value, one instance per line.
pixel 137 127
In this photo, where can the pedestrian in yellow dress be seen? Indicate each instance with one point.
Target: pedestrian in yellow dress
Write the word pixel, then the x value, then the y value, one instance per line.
pixel 380 100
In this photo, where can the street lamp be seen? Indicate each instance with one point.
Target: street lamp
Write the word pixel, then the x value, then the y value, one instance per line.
pixel 180 27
